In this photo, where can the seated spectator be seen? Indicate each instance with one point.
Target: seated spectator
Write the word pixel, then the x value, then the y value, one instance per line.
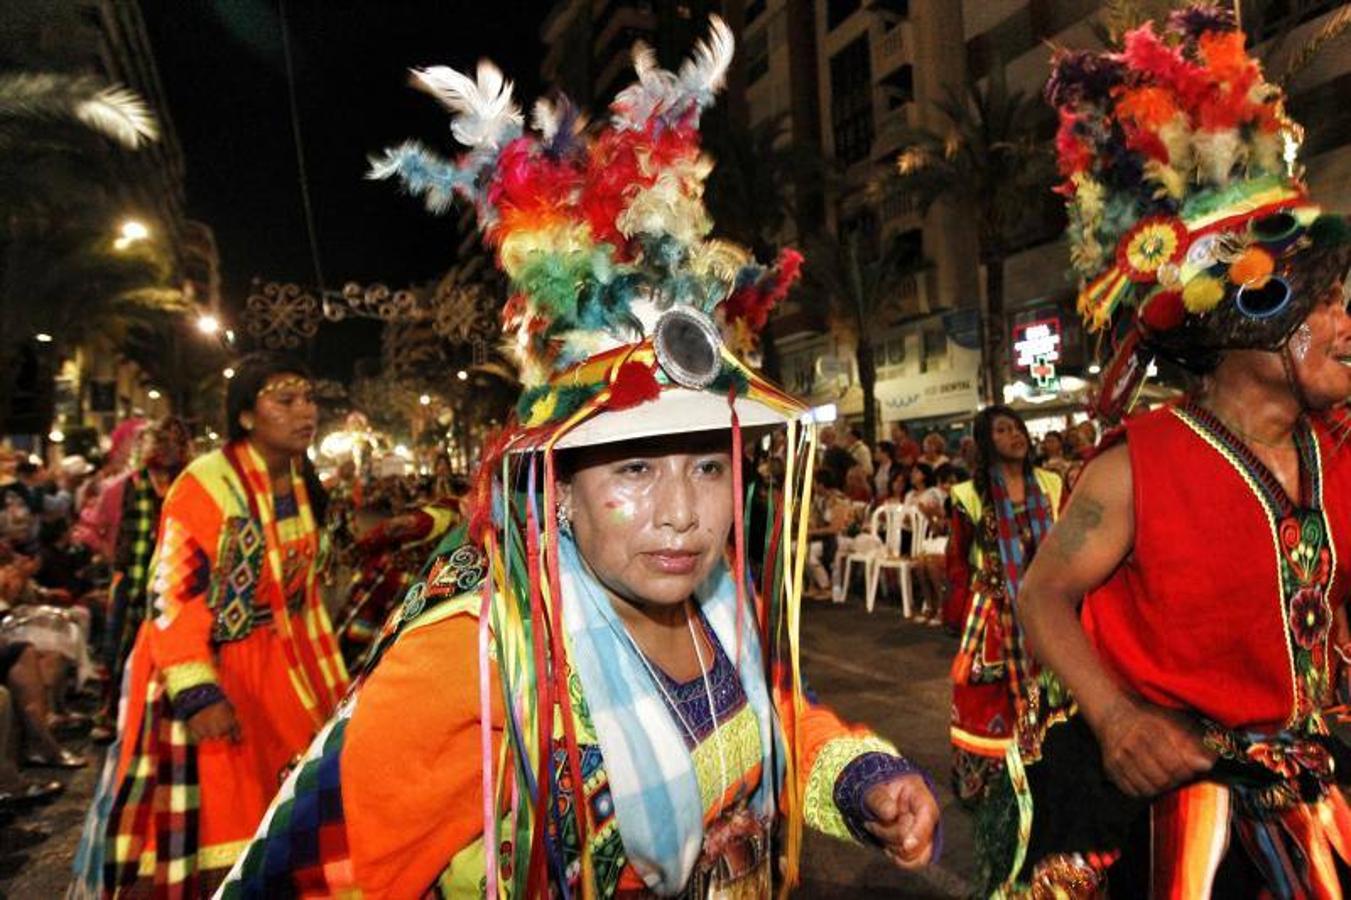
pixel 884 455
pixel 17 793
pixel 856 486
pixel 935 450
pixel 831 514
pixel 1053 453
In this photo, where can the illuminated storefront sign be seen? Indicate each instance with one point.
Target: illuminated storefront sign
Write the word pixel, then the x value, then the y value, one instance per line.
pixel 1037 341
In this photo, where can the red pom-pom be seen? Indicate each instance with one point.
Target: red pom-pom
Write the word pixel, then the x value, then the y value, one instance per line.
pixel 633 383
pixel 1164 311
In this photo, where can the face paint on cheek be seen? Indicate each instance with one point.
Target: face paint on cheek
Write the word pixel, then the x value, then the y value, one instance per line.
pixel 1301 341
pixel 621 512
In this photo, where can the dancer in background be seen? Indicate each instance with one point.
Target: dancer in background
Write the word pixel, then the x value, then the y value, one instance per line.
pixel 237 668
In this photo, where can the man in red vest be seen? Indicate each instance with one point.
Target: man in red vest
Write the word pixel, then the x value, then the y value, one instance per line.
pixel 1191 598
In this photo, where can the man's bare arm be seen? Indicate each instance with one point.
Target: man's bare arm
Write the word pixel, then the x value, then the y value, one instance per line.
pixel 1146 750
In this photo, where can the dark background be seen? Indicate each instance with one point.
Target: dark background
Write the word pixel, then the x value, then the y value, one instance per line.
pixel 224 72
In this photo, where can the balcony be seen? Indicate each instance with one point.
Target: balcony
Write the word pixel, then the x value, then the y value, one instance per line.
pixel 889 52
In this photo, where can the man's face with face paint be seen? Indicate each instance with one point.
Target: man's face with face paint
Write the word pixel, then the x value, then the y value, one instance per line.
pixel 1321 351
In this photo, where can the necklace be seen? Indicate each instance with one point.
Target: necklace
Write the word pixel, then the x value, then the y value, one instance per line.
pixel 714 736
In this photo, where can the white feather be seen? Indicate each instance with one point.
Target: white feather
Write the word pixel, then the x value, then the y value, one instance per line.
pixel 544 118
pixel 644 59
pixel 705 71
pixel 655 91
pixel 121 114
pixel 484 108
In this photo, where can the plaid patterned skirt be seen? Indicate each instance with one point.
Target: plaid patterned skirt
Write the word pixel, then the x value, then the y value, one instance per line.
pixel 172 815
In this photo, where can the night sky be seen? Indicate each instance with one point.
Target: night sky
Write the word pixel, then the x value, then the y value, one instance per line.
pixel 223 69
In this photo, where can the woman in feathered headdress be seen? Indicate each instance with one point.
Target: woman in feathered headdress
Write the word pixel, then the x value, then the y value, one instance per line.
pixel 635 722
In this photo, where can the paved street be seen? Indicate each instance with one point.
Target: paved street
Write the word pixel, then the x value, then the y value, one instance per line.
pixel 876 669
pixel 893 675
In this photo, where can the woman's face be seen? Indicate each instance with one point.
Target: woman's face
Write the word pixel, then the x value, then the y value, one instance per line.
pixel 1051 445
pixel 917 479
pixel 284 415
pixel 651 518
pixel 934 445
pixel 1321 350
pixel 1009 441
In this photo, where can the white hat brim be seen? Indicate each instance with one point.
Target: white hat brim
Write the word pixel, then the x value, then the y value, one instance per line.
pixel 677 411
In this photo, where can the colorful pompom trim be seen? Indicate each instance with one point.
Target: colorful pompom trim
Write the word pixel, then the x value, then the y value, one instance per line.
pixel 1202 294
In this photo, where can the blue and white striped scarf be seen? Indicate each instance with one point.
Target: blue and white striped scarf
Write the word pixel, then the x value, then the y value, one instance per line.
pixel 651 774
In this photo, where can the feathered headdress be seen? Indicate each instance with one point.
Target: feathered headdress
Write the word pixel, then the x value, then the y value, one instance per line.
pixel 599 234
pixel 1187 214
pixel 621 302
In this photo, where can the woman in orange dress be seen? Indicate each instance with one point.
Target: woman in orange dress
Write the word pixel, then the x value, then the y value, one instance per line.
pixel 238 667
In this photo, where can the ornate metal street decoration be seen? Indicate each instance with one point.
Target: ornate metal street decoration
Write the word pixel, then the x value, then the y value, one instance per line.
pixel 374 301
pixel 281 316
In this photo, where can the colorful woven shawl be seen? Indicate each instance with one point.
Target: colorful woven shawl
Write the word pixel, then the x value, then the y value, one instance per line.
pixel 652 778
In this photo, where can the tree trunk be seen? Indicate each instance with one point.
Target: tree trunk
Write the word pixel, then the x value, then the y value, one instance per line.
pixel 867 379
pixel 993 361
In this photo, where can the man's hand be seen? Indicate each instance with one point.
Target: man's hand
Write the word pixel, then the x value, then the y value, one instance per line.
pixel 1147 749
pixel 904 819
pixel 214 722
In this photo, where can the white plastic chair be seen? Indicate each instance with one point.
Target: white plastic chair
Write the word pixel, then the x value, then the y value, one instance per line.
pixel 899 519
pixel 864 547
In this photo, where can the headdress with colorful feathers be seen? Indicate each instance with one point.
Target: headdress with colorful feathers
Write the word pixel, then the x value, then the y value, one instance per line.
pixel 621 301
pixel 1188 221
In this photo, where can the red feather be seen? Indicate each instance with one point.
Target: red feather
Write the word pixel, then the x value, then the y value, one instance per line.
pixel 633 383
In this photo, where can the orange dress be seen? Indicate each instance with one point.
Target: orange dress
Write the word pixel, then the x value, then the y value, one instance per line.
pixel 238 618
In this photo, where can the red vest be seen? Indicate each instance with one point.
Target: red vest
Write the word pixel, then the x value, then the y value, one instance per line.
pixel 1225 604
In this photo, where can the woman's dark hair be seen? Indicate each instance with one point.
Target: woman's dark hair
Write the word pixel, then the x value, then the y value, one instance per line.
pixel 982 430
pixel 314 486
pixel 927 471
pixel 944 472
pixel 901 474
pixel 251 374
pixel 888 448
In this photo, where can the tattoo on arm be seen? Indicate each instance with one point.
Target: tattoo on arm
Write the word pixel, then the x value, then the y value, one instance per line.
pixel 1071 533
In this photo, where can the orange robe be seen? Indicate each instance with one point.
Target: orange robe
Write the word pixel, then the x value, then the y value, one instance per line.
pixel 239 618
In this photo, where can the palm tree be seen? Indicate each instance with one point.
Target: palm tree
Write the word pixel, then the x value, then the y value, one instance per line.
pixel 996 161
pixel 59 137
pixel 757 186
pixel 860 289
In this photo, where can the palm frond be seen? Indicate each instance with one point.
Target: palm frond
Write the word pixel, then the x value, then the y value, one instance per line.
pixel 1332 31
pixel 115 112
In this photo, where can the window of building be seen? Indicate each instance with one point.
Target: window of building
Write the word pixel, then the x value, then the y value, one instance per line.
pixel 935 349
pixel 851 101
pixel 839 10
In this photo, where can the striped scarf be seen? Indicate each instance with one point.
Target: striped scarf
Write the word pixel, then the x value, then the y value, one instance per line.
pixel 317 637
pixel 1005 564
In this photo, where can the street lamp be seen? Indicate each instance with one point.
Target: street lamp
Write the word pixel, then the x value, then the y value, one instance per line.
pixel 132 230
pixel 56 436
pixel 42 337
pixel 208 324
pixel 425 400
pixel 153 394
pixel 462 375
pixel 228 373
pixel 1094 369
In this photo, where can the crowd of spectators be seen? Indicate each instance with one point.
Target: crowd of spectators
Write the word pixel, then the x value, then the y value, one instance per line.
pixel 853 479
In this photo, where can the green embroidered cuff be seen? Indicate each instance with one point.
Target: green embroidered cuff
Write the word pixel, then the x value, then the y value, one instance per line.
pixel 819 806
pixel 179 678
